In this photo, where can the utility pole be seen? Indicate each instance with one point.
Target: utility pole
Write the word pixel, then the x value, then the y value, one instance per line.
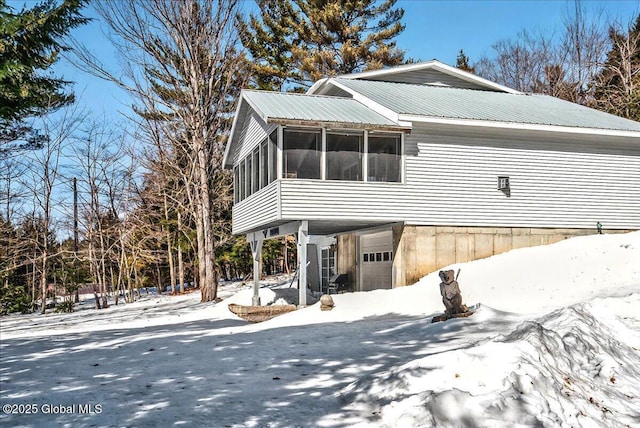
pixel 75 237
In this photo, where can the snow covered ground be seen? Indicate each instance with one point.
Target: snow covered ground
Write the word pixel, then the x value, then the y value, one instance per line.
pixel 556 342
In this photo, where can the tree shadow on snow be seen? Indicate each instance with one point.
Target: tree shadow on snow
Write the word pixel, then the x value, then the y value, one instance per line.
pixel 200 375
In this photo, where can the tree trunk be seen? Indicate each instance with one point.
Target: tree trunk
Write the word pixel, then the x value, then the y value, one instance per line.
pixel 209 287
pixel 172 269
pixel 180 261
pixel 43 281
pixel 180 270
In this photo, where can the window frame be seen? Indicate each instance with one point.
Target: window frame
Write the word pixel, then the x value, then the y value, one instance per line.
pixel 255 170
pixel 241 178
pixel 361 152
pixel 401 165
pixel 319 144
pixel 264 163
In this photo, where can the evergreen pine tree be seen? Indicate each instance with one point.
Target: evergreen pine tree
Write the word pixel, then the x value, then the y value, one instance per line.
pixel 617 89
pixel 30 43
pixel 270 40
pixel 462 62
pixel 296 42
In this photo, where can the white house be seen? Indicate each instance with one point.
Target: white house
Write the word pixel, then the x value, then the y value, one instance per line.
pixel 391 174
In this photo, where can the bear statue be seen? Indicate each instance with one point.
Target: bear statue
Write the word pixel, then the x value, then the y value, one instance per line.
pixel 450 292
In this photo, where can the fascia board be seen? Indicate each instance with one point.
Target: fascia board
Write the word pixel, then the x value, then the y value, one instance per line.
pixel 227 149
pixel 254 107
pixel 388 71
pixel 469 77
pixel 316 86
pixel 520 126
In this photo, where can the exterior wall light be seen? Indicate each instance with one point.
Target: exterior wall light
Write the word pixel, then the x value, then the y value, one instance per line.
pixel 503 183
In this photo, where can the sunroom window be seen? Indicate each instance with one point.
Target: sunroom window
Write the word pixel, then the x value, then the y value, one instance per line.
pixel 384 158
pixel 273 154
pixel 303 157
pixel 264 163
pixel 344 156
pixel 247 177
pixel 255 180
pixel 236 184
pixel 241 182
pixel 302 152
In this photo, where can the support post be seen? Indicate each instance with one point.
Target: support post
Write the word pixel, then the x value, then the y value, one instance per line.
pixel 256 253
pixel 303 240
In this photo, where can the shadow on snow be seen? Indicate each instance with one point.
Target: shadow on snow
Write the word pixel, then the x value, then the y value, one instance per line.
pixel 200 375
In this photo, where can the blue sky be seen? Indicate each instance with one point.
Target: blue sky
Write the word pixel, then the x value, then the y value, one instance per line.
pixel 434 29
pixel 439 29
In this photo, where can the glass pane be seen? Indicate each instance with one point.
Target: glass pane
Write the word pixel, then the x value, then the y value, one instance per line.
pixel 366 257
pixel 255 181
pixel 241 186
pixel 344 156
pixel 302 151
pixel 264 164
pixel 247 177
pixel 384 159
pixel 273 156
pixel 236 184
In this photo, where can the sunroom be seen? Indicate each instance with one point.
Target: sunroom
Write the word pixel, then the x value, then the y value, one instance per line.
pixel 312 166
pixel 314 153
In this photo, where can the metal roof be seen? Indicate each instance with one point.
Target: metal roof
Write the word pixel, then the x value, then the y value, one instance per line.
pixel 290 108
pixel 454 103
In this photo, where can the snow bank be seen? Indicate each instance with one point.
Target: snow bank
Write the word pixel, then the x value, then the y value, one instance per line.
pixel 567 367
pixel 533 280
pixel 541 279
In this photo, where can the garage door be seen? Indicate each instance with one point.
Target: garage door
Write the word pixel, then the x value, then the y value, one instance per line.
pixel 376 260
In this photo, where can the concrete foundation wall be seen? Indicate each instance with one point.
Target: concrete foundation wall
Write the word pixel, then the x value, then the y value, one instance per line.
pixel 420 250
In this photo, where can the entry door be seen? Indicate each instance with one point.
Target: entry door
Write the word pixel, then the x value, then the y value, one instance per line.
pixel 328 267
pixel 376 260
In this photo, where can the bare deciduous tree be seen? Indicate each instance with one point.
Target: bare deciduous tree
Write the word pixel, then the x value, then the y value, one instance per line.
pixel 582 50
pixel 534 62
pixel 185 71
pixel 44 174
pixel 519 63
pixel 103 181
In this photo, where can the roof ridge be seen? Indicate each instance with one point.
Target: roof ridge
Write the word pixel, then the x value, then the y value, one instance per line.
pixel 333 97
pixel 423 85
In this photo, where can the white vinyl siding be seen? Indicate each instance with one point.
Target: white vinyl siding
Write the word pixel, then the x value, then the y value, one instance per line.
pixel 450 180
pixel 569 184
pixel 429 77
pixel 253 133
pixel 258 209
pixel 341 200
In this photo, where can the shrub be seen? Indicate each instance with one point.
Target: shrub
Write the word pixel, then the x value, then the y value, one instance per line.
pixel 15 299
pixel 65 307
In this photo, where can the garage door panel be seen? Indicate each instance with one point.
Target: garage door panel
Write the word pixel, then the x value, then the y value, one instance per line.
pixel 376 260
